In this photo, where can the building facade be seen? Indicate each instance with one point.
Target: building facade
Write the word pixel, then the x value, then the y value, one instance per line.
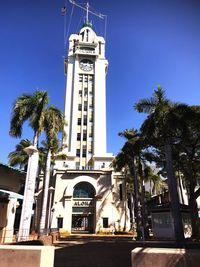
pixel 89 197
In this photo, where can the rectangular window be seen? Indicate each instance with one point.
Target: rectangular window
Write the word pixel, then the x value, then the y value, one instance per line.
pixel 84 153
pixel 85 105
pixel 120 192
pixel 84 135
pixel 90 78
pixel 86 78
pixel 80 78
pixel 85 91
pixel 79 121
pixel 80 92
pixel 105 222
pixel 85 120
pixel 78 136
pixel 79 107
pixel 99 48
pixel 59 222
pixel 78 152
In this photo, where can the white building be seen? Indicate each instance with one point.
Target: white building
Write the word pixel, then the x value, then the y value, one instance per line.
pixel 89 196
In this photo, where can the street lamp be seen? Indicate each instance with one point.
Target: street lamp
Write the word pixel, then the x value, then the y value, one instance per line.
pixel 51 190
pixel 28 201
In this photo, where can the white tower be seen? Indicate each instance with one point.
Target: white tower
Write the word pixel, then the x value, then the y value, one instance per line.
pixel 85 103
pixel 88 193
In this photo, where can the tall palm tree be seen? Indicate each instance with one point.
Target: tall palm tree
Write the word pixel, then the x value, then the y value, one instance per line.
pixel 158 129
pixel 19 157
pixel 53 123
pixel 29 108
pixel 128 157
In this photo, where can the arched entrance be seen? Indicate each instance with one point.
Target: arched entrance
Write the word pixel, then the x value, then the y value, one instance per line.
pixel 83 208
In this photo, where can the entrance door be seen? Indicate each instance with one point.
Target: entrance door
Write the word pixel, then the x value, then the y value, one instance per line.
pixel 82 223
pixel 83 208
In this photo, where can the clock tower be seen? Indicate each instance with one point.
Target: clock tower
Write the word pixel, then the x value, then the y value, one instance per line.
pixel 85 102
pixel 89 196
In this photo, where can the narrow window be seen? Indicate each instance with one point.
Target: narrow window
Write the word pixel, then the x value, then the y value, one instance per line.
pixel 78 136
pixel 99 48
pixel 120 192
pixel 84 151
pixel 87 35
pixel 78 152
pixel 85 120
pixel 79 121
pixel 105 222
pixel 84 135
pixel 79 107
pixel 85 105
pixel 80 78
pixel 59 222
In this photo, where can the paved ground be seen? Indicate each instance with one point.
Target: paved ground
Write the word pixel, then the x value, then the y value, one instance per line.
pixel 97 251
pixel 87 251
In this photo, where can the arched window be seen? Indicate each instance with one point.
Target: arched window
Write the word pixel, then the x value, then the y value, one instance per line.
pixel 83 190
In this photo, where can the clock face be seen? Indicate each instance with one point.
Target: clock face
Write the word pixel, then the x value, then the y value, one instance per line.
pixel 86 64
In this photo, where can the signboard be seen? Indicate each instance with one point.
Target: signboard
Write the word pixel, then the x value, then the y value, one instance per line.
pixel 83 203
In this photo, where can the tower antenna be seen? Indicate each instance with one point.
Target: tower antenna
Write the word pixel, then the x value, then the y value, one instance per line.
pixel 86 8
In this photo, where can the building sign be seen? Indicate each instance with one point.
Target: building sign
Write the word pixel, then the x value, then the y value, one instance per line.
pixel 83 203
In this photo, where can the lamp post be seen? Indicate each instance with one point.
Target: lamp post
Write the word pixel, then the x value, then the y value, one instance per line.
pixel 28 201
pixel 51 190
pixel 36 212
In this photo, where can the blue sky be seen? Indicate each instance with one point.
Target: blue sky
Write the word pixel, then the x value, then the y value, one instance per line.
pixel 148 42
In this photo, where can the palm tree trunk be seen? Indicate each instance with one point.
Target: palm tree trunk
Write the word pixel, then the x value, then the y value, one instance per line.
pixel 43 218
pixel 193 211
pixel 28 201
pixel 136 199
pixel 125 204
pixel 175 205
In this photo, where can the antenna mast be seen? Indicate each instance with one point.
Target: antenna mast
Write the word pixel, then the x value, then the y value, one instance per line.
pixel 86 8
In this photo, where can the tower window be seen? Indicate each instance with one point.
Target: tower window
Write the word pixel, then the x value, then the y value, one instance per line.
pixel 105 222
pixel 80 92
pixel 85 91
pixel 85 120
pixel 79 121
pixel 78 136
pixel 85 105
pixel 78 152
pixel 80 78
pixel 86 78
pixel 120 192
pixel 79 107
pixel 87 35
pixel 90 78
pixel 99 48
pixel 84 135
pixel 84 151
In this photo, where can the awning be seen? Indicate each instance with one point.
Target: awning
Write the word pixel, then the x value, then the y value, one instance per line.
pixel 10 194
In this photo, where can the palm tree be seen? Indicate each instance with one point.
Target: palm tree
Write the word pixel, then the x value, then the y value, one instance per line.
pixel 53 123
pixel 158 129
pixel 29 108
pixel 129 157
pixel 19 157
pixel 187 153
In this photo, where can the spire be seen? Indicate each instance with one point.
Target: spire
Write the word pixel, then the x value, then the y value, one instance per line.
pixel 86 22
